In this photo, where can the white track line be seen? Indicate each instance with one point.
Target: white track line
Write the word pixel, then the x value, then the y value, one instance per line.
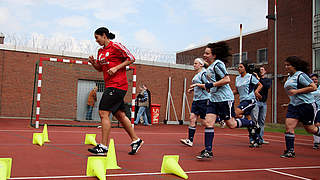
pixel 188 172
pixel 286 174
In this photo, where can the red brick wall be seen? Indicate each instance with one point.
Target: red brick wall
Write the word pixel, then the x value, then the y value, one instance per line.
pixel 294 33
pixel 250 44
pixel 59 88
pixel 1 73
pixel 17 83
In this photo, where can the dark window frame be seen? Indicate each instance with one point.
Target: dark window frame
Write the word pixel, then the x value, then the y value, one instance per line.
pixel 236 58
pixel 263 60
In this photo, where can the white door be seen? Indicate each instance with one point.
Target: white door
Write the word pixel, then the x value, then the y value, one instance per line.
pixel 95 113
pixel 84 88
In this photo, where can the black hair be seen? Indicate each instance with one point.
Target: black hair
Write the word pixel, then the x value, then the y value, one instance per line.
pixel 314 75
pixel 298 64
pixel 246 67
pixel 103 30
pixel 221 50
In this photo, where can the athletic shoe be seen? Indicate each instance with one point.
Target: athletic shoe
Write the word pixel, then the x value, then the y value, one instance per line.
pixel 254 145
pixel 205 154
pixel 135 146
pixel 288 154
pixel 222 124
pixel 265 142
pixel 186 142
pixel 316 146
pixel 98 150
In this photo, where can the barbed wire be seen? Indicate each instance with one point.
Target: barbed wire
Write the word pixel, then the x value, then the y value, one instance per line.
pixel 72 45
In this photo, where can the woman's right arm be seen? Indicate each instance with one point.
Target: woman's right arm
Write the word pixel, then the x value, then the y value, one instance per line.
pixel 94 63
pixel 235 91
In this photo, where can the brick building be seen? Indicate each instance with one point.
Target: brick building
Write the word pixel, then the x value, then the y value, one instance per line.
pixel 298 33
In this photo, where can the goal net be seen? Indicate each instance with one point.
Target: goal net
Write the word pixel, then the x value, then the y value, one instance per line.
pixel 61 90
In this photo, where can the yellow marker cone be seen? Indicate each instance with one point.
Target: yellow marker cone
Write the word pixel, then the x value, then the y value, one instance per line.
pixel 38 138
pixel 45 133
pixel 90 139
pixel 111 161
pixel 170 165
pixel 96 167
pixel 5 168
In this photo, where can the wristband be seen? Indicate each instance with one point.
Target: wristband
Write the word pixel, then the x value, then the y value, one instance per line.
pixel 209 85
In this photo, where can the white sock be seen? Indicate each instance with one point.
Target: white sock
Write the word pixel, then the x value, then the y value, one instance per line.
pixel 316 139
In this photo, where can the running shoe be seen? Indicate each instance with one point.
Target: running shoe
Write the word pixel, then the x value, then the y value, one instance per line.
pixel 186 142
pixel 316 146
pixel 136 145
pixel 98 150
pixel 288 154
pixel 222 124
pixel 254 145
pixel 205 154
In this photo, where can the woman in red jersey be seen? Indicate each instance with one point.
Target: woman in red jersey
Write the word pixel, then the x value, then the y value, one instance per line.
pixel 112 61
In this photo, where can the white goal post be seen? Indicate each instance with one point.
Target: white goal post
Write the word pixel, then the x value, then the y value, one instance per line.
pixel 64 90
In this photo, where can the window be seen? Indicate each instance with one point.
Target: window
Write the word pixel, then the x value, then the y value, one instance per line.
pixel 317 59
pixel 316 22
pixel 317 7
pixel 235 58
pixel 262 55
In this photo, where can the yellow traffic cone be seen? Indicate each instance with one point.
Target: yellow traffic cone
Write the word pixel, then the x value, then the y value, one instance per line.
pixel 90 139
pixel 5 168
pixel 45 133
pixel 38 138
pixel 111 161
pixel 170 165
pixel 96 167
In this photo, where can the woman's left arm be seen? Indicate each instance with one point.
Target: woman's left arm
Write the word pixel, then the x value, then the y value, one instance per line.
pixel 310 88
pixel 113 70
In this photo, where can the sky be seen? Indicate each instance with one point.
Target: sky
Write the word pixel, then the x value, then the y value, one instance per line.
pixel 160 25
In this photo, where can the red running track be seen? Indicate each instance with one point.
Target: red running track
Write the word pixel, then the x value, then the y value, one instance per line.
pixel 65 157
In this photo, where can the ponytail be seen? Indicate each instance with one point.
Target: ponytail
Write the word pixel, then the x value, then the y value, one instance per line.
pixel 103 30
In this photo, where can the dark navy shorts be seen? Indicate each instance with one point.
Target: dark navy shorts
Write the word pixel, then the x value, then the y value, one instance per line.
pixel 305 113
pixel 317 119
pixel 246 106
pixel 112 100
pixel 225 109
pixel 199 108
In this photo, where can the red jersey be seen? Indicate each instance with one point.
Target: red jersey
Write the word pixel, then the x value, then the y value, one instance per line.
pixel 111 56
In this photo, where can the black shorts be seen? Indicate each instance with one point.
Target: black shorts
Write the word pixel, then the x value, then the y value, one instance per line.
pixel 305 113
pixel 112 100
pixel 199 108
pixel 246 106
pixel 225 109
pixel 317 120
